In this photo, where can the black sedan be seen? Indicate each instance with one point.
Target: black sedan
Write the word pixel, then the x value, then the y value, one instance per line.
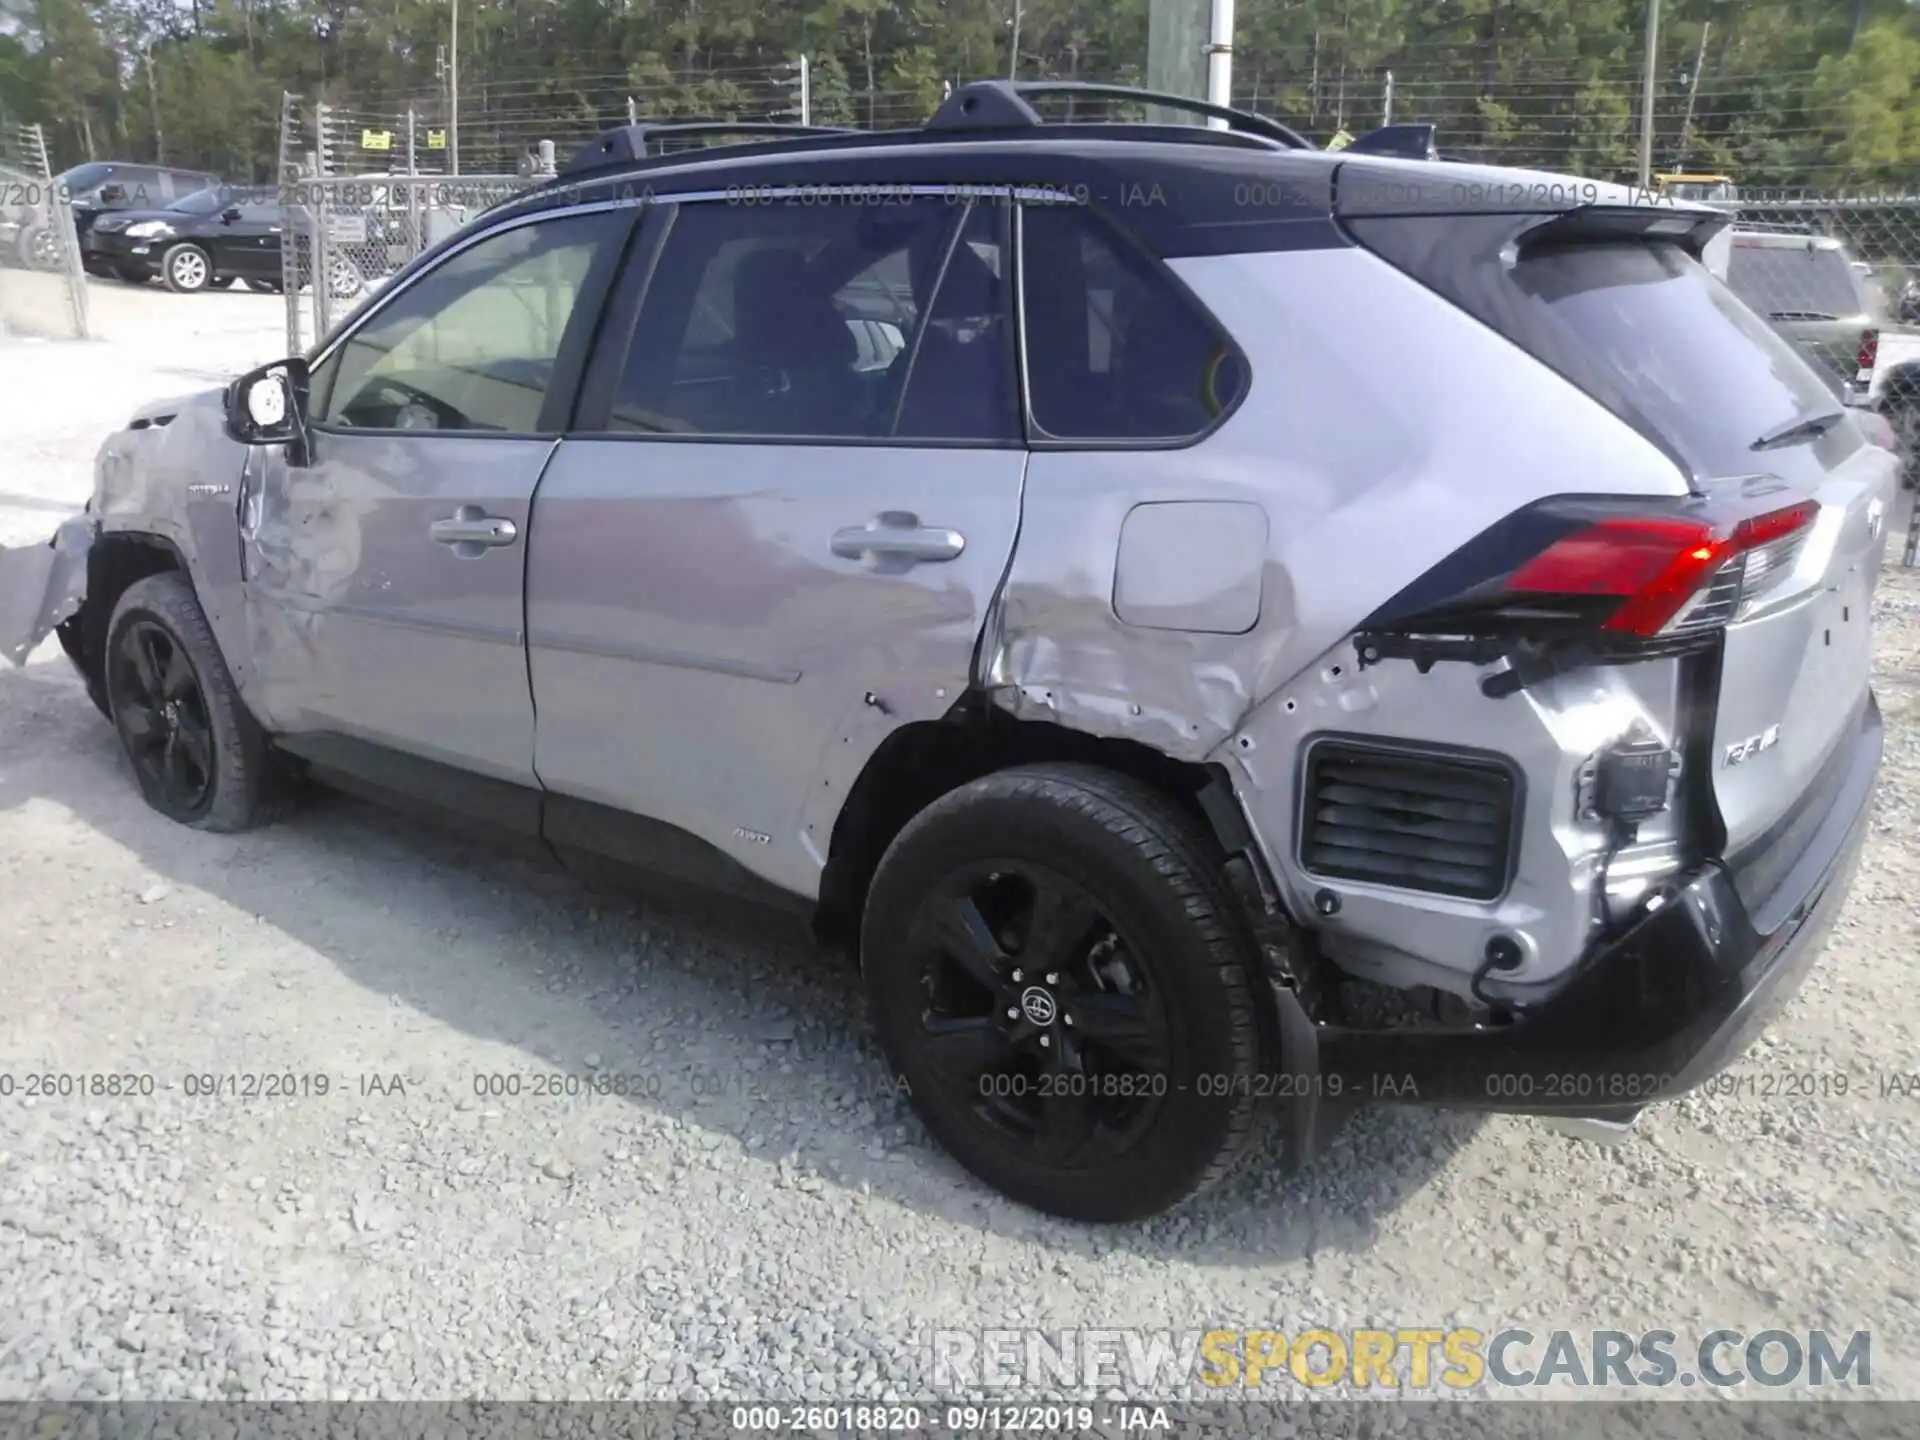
pixel 206 240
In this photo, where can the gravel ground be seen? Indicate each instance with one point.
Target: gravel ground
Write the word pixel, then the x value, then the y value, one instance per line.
pixel 761 1218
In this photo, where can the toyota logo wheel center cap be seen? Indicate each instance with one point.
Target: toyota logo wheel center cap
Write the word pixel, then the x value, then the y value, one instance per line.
pixel 1037 1005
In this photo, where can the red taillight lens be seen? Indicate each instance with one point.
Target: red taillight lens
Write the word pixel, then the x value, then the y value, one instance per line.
pixel 1869 351
pixel 1654 565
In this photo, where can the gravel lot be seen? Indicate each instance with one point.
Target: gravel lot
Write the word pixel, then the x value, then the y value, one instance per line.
pixel 764 1219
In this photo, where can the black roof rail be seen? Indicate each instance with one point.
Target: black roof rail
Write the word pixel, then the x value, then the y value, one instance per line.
pixel 1004 105
pixel 635 142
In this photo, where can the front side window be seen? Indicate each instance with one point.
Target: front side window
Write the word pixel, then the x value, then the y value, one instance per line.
pixel 1115 350
pixel 785 318
pixel 471 345
pixel 201 202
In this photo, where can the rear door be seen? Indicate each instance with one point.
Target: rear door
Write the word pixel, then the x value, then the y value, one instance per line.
pixel 773 540
pixel 385 577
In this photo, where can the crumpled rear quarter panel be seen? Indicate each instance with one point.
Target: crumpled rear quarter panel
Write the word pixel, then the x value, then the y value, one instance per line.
pixel 1382 430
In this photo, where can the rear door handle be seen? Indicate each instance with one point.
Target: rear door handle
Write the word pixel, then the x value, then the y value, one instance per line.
pixel 896 540
pixel 472 526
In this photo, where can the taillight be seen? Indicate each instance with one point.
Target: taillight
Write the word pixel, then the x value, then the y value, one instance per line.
pixel 1652 566
pixel 1616 576
pixel 1869 354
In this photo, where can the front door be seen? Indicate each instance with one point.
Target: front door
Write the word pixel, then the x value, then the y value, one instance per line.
pixel 248 244
pixel 776 533
pixel 384 578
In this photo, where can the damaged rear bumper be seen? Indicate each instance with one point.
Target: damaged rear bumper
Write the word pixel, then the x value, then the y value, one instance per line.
pixel 42 584
pixel 1656 1011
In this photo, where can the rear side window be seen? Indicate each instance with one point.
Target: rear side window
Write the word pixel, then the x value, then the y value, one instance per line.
pixel 1639 325
pixel 794 320
pixel 1115 349
pixel 1794 282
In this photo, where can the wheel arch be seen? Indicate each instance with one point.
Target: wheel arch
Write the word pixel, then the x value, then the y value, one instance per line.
pixel 117 559
pixel 920 762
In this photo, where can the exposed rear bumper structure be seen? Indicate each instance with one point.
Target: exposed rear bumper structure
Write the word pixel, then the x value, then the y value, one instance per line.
pixel 1655 1012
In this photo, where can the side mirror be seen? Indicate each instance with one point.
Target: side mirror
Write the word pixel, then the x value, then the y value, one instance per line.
pixel 230 214
pixel 110 194
pixel 265 407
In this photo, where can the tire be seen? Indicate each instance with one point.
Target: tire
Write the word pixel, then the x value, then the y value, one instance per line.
pixel 1176 1056
pixel 39 248
pixel 198 754
pixel 186 269
pixel 344 277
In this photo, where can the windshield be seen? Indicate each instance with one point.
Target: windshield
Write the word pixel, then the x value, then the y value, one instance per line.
pixel 84 177
pixel 210 201
pixel 1794 281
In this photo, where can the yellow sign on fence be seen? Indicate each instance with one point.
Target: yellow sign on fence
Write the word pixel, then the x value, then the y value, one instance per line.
pixel 376 140
pixel 436 139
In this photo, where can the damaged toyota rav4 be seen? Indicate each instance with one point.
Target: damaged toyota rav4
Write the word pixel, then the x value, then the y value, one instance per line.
pixel 1229 631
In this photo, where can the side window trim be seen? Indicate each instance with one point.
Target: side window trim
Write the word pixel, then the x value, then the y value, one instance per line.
pixel 1121 238
pixel 608 355
pixel 627 301
pixel 582 323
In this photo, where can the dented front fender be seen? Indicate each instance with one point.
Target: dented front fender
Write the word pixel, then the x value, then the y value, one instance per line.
pixel 41 585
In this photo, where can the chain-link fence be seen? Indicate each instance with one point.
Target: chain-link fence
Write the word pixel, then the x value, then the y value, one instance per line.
pixel 43 289
pixel 1839 275
pixel 354 222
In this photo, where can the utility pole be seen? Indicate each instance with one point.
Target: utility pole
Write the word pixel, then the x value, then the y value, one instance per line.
pixel 1013 45
pixel 1177 47
pixel 1386 102
pixel 1646 95
pixel 1220 60
pixel 453 98
pixel 1693 91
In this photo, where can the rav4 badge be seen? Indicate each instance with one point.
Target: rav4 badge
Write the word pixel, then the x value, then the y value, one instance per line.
pixel 1745 750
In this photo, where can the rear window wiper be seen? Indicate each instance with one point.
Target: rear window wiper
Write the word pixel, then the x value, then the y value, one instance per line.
pixel 1804 428
pixel 1800 315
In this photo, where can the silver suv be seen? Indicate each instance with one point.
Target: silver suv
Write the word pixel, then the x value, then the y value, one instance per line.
pixel 1231 631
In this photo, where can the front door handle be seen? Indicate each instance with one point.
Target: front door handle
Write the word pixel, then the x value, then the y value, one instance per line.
pixel 896 540
pixel 470 530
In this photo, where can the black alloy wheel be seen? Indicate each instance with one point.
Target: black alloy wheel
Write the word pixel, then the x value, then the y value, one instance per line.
pixel 161 713
pixel 198 753
pixel 1064 990
pixel 1038 1009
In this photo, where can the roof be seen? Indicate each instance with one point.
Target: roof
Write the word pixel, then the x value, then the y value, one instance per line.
pixel 1253 184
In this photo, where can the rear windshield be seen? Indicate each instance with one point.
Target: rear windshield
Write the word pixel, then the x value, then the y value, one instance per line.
pixel 1794 282
pixel 1639 325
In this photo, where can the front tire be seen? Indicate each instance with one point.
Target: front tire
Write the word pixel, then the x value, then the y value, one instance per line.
pixel 1056 973
pixel 197 752
pixel 186 269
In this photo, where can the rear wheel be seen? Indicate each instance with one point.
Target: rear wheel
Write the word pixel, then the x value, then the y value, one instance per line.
pixel 198 754
pixel 1056 973
pixel 186 269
